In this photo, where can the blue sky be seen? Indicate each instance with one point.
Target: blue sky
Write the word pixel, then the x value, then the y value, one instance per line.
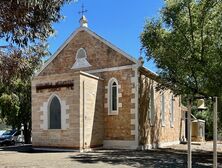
pixel 118 21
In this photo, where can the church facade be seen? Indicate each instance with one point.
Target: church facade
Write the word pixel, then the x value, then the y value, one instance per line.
pixel 92 94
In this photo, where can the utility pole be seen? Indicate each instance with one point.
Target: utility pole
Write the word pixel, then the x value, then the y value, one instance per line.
pixel 189 131
pixel 215 134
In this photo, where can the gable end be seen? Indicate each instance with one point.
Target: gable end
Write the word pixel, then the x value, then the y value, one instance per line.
pixel 94 35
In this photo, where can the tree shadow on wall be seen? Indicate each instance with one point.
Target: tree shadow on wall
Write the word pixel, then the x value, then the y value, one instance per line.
pixel 149 123
pixel 159 158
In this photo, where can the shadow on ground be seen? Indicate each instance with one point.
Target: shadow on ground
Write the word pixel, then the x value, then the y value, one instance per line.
pixel 160 158
pixel 28 149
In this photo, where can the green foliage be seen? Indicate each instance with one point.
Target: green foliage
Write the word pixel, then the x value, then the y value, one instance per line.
pixel 15 63
pixel 23 22
pixel 185 42
pixel 16 69
pixel 10 107
pixel 15 89
pixel 25 26
pixel 186 45
pixel 208 117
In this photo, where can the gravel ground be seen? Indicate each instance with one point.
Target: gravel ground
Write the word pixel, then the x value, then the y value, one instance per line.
pixel 169 157
pixel 198 146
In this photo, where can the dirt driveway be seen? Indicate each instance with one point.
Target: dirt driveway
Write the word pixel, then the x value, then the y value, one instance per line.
pixel 172 157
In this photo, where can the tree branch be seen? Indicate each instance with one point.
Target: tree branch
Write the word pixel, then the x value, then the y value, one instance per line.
pixel 191 28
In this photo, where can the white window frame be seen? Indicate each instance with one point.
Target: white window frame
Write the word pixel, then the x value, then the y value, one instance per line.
pixel 77 53
pixel 45 109
pixel 163 110
pixel 110 84
pixel 81 62
pixel 172 110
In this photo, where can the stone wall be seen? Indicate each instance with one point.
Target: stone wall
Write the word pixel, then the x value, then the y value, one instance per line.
pixel 119 129
pixel 168 133
pixel 68 136
pixel 82 112
pixel 99 55
pixel 157 134
pixel 91 111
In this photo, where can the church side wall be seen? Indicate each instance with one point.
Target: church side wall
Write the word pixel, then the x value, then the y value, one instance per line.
pixel 68 136
pixel 155 134
pixel 120 129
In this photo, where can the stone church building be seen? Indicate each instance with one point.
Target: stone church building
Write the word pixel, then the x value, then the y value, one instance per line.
pixel 92 94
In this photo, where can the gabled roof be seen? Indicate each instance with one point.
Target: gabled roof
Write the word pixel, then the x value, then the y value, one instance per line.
pixel 94 35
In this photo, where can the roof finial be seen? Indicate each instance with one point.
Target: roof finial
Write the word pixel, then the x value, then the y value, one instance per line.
pixel 83 10
pixel 83 21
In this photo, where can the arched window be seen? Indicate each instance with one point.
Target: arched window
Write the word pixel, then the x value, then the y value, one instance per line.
pixel 162 99
pixel 172 110
pixel 55 113
pixel 152 107
pixel 81 53
pixel 113 96
pixel 81 59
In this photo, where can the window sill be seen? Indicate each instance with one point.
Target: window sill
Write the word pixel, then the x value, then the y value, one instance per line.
pixel 113 113
pixel 54 129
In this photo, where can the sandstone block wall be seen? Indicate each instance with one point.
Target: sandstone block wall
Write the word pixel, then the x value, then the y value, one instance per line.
pixel 158 134
pixel 67 136
pixel 99 55
pixel 82 130
pixel 121 126
pixel 91 112
pixel 168 133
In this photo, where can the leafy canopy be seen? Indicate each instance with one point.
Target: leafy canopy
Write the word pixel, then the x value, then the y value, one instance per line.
pixel 16 69
pixel 28 21
pixel 186 45
pixel 25 26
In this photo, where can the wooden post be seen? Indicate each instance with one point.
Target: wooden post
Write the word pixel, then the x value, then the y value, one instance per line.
pixel 189 151
pixel 215 134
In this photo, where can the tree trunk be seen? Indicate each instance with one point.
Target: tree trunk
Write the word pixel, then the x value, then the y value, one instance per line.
pixel 27 133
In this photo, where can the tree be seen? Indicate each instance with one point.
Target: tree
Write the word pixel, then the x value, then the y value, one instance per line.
pixel 25 26
pixel 9 108
pixel 186 45
pixel 28 22
pixel 185 42
pixel 15 88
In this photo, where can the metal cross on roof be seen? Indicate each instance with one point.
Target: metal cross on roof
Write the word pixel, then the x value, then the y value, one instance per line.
pixel 83 10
